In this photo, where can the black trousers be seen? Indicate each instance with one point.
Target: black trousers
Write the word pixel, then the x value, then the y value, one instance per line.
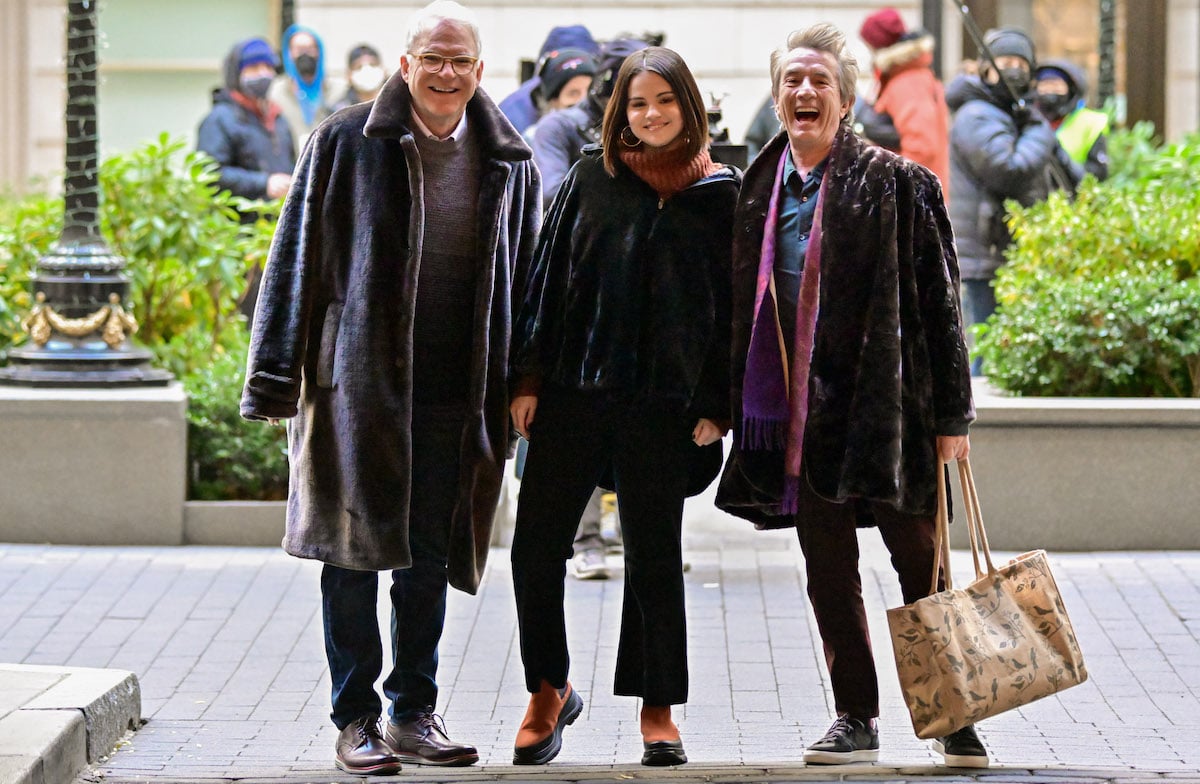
pixel 573 438
pixel 348 597
pixel 829 538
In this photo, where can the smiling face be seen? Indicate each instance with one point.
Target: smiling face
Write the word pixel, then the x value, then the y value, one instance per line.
pixel 809 103
pixel 440 99
pixel 653 110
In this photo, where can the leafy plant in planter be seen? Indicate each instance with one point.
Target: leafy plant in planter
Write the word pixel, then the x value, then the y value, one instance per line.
pixel 229 457
pixel 187 252
pixel 1101 296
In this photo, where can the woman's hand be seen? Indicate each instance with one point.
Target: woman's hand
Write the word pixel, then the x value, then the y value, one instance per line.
pixel 706 432
pixel 522 408
pixel 952 448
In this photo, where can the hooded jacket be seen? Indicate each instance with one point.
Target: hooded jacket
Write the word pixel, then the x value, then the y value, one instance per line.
pixel 889 368
pixel 993 159
pixel 912 96
pixel 304 102
pixel 246 149
pixel 332 342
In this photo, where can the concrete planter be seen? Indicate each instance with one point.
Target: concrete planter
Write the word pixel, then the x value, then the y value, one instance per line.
pixel 1086 473
pixel 234 523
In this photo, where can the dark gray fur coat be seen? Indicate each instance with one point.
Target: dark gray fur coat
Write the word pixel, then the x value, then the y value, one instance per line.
pixel 889 365
pixel 332 338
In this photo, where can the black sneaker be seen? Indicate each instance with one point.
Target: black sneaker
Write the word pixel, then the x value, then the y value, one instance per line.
pixel 848 740
pixel 962 749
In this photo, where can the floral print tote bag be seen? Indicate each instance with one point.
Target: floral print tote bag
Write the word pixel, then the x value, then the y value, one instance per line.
pixel 964 654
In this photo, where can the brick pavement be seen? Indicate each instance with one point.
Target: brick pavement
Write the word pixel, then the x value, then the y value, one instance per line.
pixel 227 645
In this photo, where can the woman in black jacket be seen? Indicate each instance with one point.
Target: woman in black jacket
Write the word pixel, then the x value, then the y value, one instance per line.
pixel 621 357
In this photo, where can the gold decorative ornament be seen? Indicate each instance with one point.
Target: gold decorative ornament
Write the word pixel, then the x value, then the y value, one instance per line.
pixel 116 324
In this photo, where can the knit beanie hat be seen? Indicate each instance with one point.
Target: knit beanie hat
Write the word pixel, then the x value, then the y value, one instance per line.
pixel 882 28
pixel 563 65
pixel 1010 41
pixel 569 37
pixel 256 50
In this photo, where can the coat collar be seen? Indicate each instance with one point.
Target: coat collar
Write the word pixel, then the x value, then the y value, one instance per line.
pixel 389 118
pixel 847 146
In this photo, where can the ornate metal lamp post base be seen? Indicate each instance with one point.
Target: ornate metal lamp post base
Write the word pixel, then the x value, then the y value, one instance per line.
pixel 78 328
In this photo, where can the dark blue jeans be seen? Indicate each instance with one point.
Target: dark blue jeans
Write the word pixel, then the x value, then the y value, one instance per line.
pixel 979 302
pixel 348 597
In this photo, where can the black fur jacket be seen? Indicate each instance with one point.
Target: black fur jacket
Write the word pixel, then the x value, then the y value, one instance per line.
pixel 889 368
pixel 630 295
pixel 332 338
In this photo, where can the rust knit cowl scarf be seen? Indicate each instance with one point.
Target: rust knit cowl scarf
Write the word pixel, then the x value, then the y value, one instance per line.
pixel 668 170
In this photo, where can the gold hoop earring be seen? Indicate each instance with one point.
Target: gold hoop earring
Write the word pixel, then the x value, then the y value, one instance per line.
pixel 636 141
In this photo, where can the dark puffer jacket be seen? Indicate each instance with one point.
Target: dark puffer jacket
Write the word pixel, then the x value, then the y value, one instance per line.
pixel 992 159
pixel 631 295
pixel 247 151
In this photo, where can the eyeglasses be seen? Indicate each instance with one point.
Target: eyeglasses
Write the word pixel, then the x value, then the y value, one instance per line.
pixel 433 63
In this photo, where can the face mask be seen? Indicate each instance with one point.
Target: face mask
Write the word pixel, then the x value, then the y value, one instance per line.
pixel 366 79
pixel 306 65
pixel 1017 77
pixel 1054 105
pixel 255 86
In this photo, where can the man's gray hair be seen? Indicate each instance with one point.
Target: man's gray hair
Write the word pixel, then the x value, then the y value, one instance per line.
pixel 429 17
pixel 822 37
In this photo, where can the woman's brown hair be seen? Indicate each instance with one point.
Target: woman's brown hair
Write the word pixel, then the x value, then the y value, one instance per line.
pixel 671 67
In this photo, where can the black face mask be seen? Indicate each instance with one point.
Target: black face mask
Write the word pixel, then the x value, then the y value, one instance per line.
pixel 1054 106
pixel 255 86
pixel 1018 78
pixel 306 65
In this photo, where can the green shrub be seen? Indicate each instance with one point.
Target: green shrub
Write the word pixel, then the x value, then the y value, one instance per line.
pixel 1101 296
pixel 231 457
pixel 187 252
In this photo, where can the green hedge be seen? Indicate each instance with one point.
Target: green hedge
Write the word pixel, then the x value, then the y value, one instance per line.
pixel 187 252
pixel 1101 296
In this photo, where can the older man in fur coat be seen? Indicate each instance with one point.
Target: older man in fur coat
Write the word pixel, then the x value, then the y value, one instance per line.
pixel 849 368
pixel 383 329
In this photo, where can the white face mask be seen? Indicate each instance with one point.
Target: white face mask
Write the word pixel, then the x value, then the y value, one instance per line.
pixel 366 78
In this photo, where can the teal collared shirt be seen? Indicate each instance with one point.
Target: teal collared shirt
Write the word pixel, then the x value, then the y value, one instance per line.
pixel 797 208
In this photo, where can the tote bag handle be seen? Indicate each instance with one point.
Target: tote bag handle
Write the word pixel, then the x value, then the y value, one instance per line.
pixel 975 529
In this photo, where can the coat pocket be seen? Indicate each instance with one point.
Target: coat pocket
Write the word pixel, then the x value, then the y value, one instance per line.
pixel 329 335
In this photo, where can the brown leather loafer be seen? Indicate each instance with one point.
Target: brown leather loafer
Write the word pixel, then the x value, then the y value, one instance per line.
pixel 361 749
pixel 423 741
pixel 540 738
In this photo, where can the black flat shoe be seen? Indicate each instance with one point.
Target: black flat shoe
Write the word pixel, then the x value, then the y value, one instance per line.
pixel 662 753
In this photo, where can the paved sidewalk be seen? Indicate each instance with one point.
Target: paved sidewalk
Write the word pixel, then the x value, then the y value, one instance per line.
pixel 227 645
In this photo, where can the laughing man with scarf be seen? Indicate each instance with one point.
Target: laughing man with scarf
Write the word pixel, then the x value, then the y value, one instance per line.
pixel 850 376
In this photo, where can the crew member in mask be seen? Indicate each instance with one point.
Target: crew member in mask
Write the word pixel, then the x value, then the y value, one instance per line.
pixel 301 91
pixel 1001 147
pixel 365 74
pixel 245 133
pixel 249 137
pixel 1062 97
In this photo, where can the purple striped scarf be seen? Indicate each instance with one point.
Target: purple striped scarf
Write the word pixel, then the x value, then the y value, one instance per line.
pixel 774 406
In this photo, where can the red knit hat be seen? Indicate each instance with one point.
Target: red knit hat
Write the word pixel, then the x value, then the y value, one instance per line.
pixel 882 28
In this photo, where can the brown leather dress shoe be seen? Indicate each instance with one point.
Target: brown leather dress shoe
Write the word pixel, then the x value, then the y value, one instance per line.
pixel 540 738
pixel 423 741
pixel 361 749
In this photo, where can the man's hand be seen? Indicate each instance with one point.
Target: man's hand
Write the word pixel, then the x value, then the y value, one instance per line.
pixel 522 409
pixel 951 448
pixel 278 184
pixel 706 432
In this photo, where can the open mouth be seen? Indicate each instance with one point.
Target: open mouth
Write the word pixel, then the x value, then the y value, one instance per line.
pixel 807 114
pixel 445 90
